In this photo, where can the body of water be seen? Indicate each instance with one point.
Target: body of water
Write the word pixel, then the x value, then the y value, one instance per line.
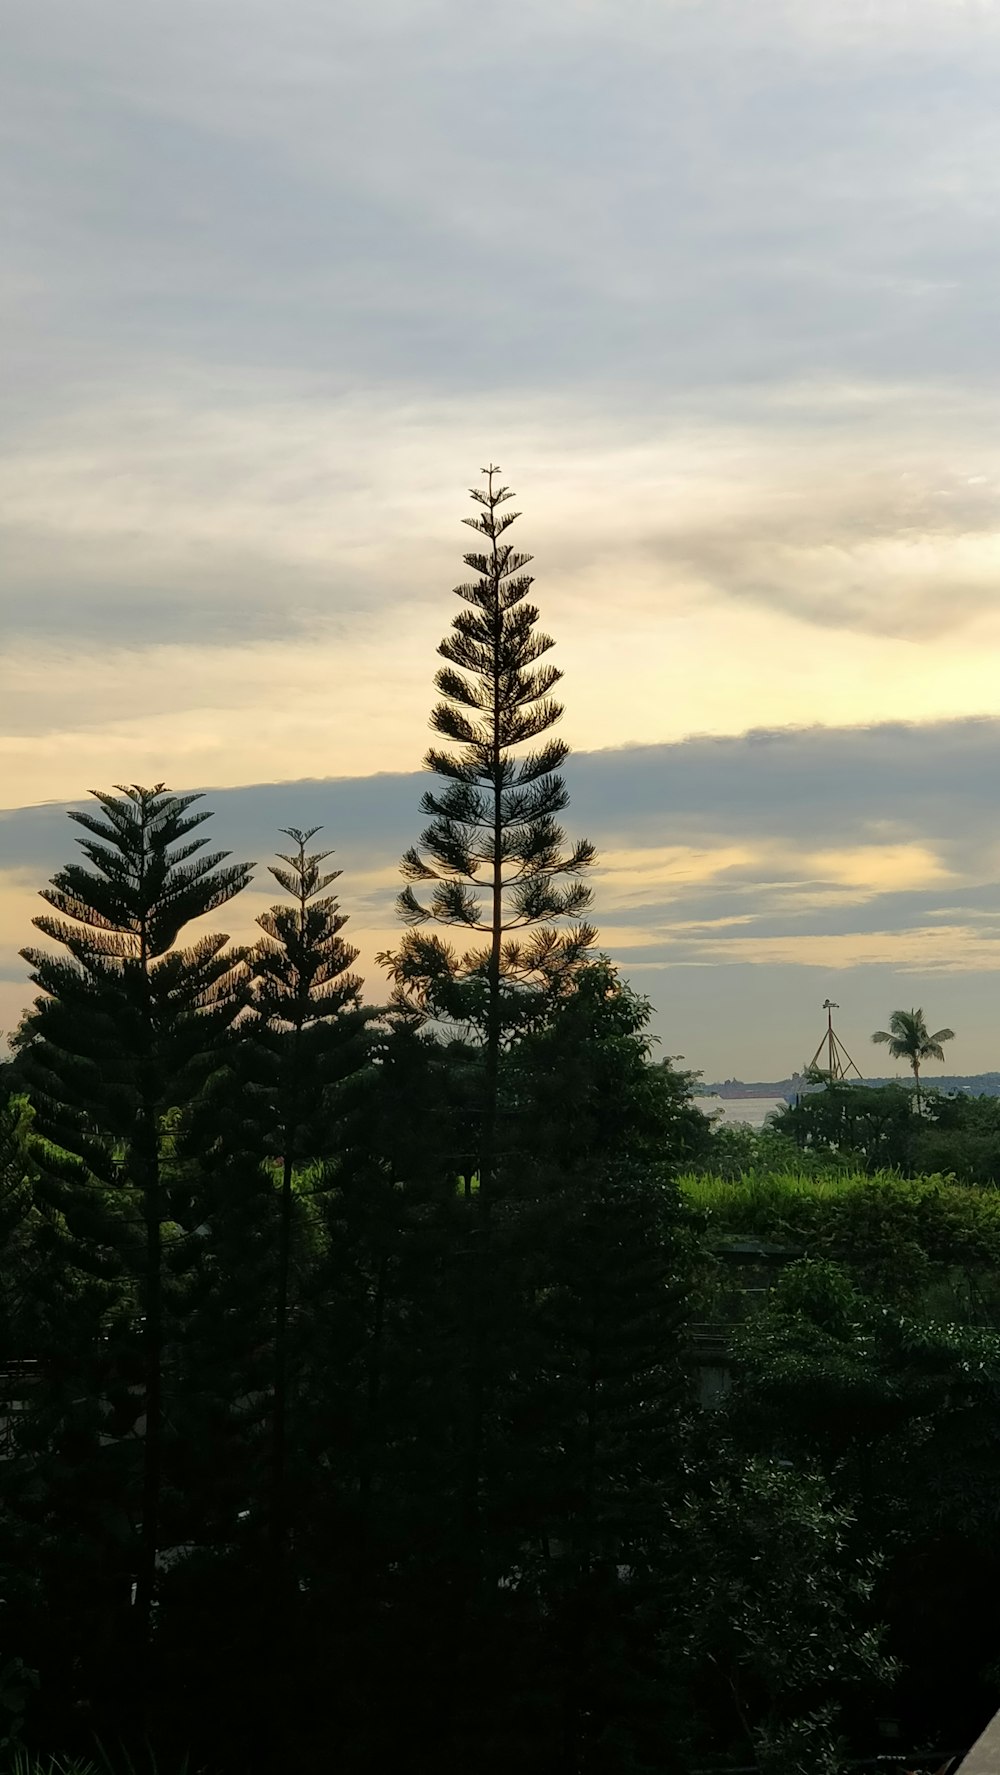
pixel 754 1110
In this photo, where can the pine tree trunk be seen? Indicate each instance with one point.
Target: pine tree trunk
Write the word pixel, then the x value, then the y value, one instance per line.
pixel 274 1669
pixel 359 1566
pixel 279 1418
pixel 146 1152
pixel 277 1525
pixel 496 921
pixel 481 1278
pixel 152 1339
pixel 579 1695
pixel 374 1389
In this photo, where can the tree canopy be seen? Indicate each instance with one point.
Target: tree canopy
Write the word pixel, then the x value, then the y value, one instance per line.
pixel 908 1038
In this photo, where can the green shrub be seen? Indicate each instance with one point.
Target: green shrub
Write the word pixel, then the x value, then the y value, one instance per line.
pixel 904 1239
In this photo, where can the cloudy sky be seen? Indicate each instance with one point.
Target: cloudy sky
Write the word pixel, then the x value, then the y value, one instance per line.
pixel 716 283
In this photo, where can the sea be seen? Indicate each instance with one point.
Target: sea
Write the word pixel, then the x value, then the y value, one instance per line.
pixel 754 1110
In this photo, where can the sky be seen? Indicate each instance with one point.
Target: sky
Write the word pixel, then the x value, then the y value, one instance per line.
pixel 716 284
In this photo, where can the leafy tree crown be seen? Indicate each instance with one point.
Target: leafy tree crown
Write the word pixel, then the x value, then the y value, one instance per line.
pixel 908 1038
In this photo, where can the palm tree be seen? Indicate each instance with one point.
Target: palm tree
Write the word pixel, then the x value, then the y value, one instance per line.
pixel 908 1039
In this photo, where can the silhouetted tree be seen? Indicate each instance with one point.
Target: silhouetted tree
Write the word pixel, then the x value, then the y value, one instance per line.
pixel 18 1229
pixel 124 1029
pixel 493 850
pixel 383 1430
pixel 496 862
pixel 908 1038
pixel 599 1380
pixel 309 1025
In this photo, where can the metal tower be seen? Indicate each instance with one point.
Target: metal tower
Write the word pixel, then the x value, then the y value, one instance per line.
pixel 837 1063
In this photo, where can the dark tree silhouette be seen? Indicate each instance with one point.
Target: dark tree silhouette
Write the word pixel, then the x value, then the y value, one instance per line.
pixel 115 1041
pixel 307 1001
pixel 494 852
pixel 496 862
pixel 908 1038
pixel 599 1388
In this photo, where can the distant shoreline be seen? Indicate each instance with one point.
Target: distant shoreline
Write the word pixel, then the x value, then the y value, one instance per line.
pixel 980 1084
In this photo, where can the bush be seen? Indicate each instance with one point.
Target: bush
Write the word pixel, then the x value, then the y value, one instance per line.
pixel 902 1238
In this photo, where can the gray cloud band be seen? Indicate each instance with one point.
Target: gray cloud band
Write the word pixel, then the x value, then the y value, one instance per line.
pixel 787 796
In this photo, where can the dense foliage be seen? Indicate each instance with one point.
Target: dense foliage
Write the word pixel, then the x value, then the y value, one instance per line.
pixel 854 1127
pixel 637 1583
pixel 864 1331
pixel 407 1593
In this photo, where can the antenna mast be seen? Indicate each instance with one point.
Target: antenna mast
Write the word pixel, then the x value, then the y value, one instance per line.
pixel 836 1063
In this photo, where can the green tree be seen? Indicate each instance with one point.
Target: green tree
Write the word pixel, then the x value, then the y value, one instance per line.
pixel 126 1026
pixel 264 1147
pixel 493 850
pixel 383 1431
pixel 908 1038
pixel 735 1149
pixel 848 1124
pixel 495 859
pixel 773 1622
pixel 309 1026
pixel 595 1378
pixel 961 1134
pixel 19 1225
pixel 898 1411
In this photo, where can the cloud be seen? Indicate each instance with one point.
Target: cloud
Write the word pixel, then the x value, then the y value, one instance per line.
pixel 664 194
pixel 247 591
pixel 868 852
pixel 712 281
pixel 949 950
pixel 279 283
pixel 878 536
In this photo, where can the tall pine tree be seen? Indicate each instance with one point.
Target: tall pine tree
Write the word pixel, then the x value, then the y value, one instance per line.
pixel 494 852
pixel 126 1024
pixel 310 1027
pixel 497 865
